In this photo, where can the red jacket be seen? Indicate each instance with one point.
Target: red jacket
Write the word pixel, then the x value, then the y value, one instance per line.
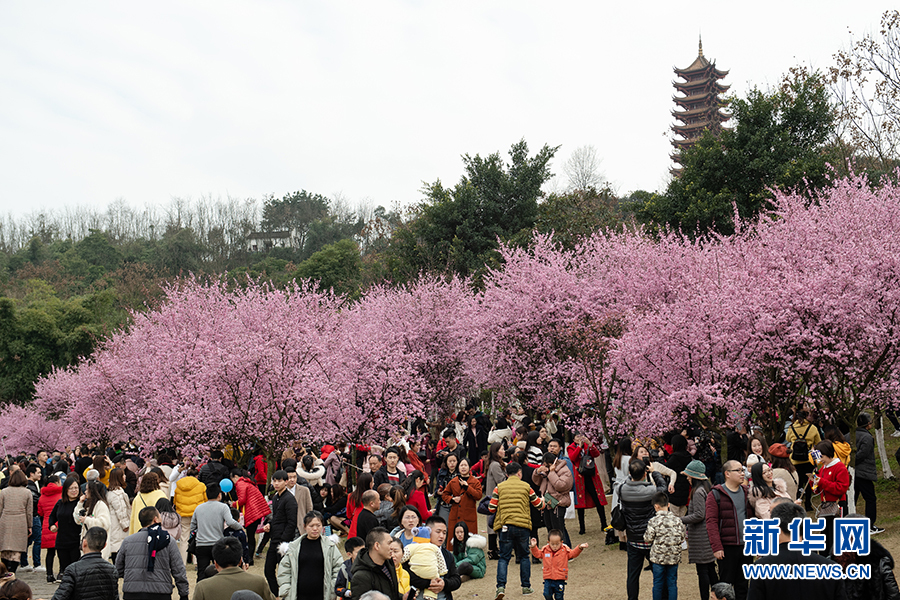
pixel 556 563
pixel 834 481
pixel 251 501
pixel 50 494
pixel 260 469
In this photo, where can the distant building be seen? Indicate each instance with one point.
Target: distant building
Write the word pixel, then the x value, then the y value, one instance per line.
pixel 263 241
pixel 700 104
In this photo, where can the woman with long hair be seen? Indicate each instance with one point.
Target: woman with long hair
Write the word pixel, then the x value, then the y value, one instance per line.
pixel 463 494
pixel 149 495
pixel 364 482
pixel 335 509
pixel 494 475
pixel 398 501
pixel 413 460
pixel 311 563
pixel 468 550
pixel 535 448
pixel 757 444
pixel 588 485
pixel 50 495
pixel 414 489
pixel 447 472
pixel 764 488
pixel 93 511
pixel 102 465
pixel 16 514
pixel 62 522
pixel 620 462
pixel 700 551
pixel 119 511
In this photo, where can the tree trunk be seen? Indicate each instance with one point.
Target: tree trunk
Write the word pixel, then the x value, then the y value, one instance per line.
pixel 886 471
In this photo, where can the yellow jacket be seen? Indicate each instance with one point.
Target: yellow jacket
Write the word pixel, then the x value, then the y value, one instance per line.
pixel 402 580
pixel 842 452
pixel 142 501
pixel 190 493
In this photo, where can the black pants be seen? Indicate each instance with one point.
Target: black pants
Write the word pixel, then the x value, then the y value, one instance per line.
pixel 707 577
pixel 867 489
pixel 556 519
pixel 465 569
pixel 731 570
pixel 66 557
pixel 51 556
pixel 636 558
pixel 591 492
pixel 271 568
pixel 11 565
pixel 804 469
pixel 251 537
pixel 263 542
pixel 204 558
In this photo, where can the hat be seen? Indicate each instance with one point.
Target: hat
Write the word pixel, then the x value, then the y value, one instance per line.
pixel 752 460
pixel 779 450
pixel 695 469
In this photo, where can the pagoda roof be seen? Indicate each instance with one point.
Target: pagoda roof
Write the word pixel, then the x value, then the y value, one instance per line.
pixel 703 110
pixel 687 127
pixel 683 86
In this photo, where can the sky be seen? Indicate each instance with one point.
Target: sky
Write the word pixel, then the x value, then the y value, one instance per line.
pixel 102 101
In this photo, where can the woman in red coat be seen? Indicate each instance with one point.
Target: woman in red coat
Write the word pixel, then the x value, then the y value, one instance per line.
pixel 50 494
pixel 462 494
pixel 589 491
pixel 251 502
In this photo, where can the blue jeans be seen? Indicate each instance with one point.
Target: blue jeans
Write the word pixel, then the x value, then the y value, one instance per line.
pixel 34 538
pixel 665 576
pixel 554 589
pixel 518 538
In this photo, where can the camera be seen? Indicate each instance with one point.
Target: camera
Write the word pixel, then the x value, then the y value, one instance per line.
pixel 82 512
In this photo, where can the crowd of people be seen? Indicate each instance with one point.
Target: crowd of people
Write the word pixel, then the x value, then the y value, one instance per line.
pixel 401 520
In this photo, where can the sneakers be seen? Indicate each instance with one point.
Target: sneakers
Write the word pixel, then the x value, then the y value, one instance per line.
pixel 526 591
pixel 40 569
pixel 501 592
pixel 896 433
pixel 51 578
pixel 28 568
pixel 876 531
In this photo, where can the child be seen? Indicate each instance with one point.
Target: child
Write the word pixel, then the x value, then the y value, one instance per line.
pixel 665 533
pixel 352 547
pixel 426 561
pixel 555 556
pixel 403 584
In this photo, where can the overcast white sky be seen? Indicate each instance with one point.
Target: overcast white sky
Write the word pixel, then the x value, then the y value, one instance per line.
pixel 147 101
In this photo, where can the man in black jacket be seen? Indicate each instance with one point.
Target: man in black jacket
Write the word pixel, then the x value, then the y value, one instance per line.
pixel 449 582
pixel 214 471
pixel 388 472
pixel 678 462
pixel 91 578
pixel 636 500
pixel 373 568
pixel 281 528
pixel 367 521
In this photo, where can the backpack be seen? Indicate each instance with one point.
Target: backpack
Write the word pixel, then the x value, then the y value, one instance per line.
pixel 587 465
pixel 800 447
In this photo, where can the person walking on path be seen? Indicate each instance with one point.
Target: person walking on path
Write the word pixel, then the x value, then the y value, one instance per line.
pixel 665 534
pixel 252 503
pixel 62 523
pixel 636 500
pixel 188 495
pixel 148 562
pixel 282 526
pixel 463 493
pixel 50 495
pixel 866 470
pixel 555 481
pixel 92 577
pixel 555 556
pixel 373 570
pixel 149 495
pixel 727 506
pixel 16 518
pixel 700 552
pixel 311 563
pixel 207 523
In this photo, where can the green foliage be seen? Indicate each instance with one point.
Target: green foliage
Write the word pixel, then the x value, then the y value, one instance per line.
pixel 336 266
pixel 574 215
pixel 779 141
pixel 456 229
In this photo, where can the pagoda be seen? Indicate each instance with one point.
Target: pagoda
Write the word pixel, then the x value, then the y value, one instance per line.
pixel 700 104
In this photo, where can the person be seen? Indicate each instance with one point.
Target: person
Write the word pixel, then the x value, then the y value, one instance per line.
pixel 403 584
pixel 364 482
pixel 62 523
pixel 802 436
pixel 50 495
pixel 727 506
pixel 722 591
pixel 16 589
pixel 414 490
pixel 102 465
pixel 388 472
pixel 282 526
pixel 189 493
pixel 119 511
pixel 252 502
pixel 451 446
pixel 475 440
pixel 764 488
pixel 148 562
pixel 678 462
pixel 621 460
pixel 555 481
pixel 511 503
pixel 302 494
pixel 336 508
pixel 92 577
pixel 396 502
pixel 93 511
pixel 783 468
pixel 866 471
pixel 372 569
pixel 423 580
pixel 352 547
pixel 700 552
pixel 832 482
pixel 468 552
pixel 882 583
pixel 213 471
pixel 207 523
pixel 495 472
pixel 408 530
pixel 35 476
pixel 793 589
pixel 665 534
pixel 555 556
pixel 636 500
pixel 446 473
pixel 463 493
pixel 16 518
pixel 587 482
pixel 149 495
pixel 842 449
pixel 758 446
pixel 366 521
pixel 311 563
pixel 311 470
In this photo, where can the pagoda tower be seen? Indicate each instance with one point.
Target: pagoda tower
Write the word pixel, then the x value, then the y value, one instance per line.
pixel 700 104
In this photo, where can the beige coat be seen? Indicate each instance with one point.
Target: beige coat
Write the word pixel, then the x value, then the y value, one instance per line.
pixel 16 508
pixel 99 517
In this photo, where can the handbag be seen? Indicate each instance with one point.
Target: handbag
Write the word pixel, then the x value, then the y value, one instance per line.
pixel 192 543
pixel 617 519
pixel 828 508
pixel 483 506
pixel 587 465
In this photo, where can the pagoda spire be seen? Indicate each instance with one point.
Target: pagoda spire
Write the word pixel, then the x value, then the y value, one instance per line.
pixel 700 102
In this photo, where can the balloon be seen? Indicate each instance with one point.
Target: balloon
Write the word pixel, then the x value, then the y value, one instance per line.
pixel 227 485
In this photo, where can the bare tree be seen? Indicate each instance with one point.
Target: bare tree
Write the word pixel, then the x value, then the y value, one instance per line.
pixel 583 169
pixel 865 81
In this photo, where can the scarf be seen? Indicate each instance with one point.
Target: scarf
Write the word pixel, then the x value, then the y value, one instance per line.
pixel 157 539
